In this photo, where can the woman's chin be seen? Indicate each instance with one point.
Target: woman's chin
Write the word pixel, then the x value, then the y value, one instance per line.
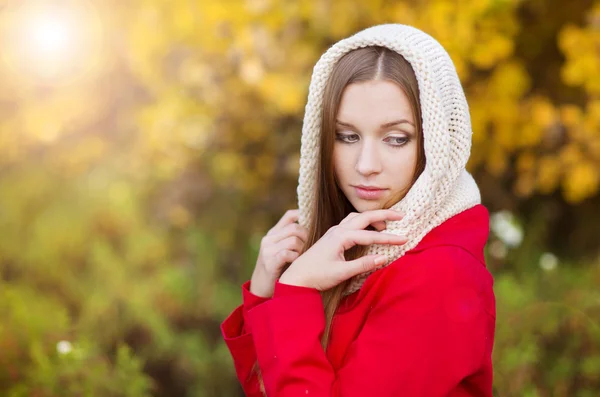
pixel 367 205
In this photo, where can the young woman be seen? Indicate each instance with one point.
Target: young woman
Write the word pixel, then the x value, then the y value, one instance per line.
pixel 376 285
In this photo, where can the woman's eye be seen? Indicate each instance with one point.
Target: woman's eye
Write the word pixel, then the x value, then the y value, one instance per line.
pixel 398 140
pixel 346 138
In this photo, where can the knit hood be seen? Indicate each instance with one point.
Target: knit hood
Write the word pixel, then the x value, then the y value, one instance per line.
pixel 444 188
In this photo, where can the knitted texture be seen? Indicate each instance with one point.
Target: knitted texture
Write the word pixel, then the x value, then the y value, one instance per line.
pixel 445 188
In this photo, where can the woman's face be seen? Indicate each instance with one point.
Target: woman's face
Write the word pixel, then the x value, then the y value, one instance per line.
pixel 375 150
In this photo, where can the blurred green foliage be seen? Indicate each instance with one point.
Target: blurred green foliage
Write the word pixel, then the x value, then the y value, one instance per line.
pixel 144 153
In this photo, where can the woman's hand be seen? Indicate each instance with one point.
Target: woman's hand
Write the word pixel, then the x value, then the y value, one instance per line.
pixel 280 246
pixel 323 266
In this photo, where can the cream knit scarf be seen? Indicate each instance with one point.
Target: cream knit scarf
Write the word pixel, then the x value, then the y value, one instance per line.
pixel 445 188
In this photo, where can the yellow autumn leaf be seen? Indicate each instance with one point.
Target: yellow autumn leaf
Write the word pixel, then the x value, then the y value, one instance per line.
pixel 510 80
pixel 530 134
pixel 543 112
pixel 491 50
pixel 570 155
pixel 285 92
pixel 570 115
pixel 525 162
pixel 548 174
pixel 581 181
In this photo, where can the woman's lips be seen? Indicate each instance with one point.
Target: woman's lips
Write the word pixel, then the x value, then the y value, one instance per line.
pixel 369 193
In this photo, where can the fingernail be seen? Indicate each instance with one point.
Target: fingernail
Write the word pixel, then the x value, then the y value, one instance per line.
pixel 380 260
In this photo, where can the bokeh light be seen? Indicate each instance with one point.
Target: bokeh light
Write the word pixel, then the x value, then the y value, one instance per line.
pixel 52 43
pixel 51 35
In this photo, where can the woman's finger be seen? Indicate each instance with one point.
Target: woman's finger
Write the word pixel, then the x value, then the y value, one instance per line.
pixel 360 265
pixel 377 225
pixel 289 217
pixel 348 217
pixel 350 238
pixel 367 218
pixel 292 229
pixel 292 243
pixel 380 225
pixel 281 258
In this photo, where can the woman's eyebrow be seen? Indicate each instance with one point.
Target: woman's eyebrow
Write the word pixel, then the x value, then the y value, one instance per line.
pixel 383 126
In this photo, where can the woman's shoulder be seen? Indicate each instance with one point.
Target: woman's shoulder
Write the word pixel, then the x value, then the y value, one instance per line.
pixel 449 257
pixel 467 230
pixel 438 267
pixel 434 278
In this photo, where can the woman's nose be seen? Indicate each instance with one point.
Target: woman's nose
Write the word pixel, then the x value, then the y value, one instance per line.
pixel 369 161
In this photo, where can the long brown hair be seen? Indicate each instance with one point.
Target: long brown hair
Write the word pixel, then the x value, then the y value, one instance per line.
pixel 332 206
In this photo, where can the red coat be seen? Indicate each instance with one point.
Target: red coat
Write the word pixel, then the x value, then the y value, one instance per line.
pixel 422 326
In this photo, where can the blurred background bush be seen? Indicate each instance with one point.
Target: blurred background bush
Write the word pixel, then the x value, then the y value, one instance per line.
pixel 146 147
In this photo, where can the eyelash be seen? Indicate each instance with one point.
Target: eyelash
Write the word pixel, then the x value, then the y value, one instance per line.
pixel 340 137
